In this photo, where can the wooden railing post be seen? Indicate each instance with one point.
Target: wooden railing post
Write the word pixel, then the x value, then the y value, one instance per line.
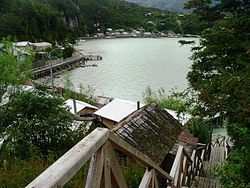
pixel 104 170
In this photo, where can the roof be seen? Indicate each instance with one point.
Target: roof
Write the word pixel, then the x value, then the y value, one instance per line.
pixel 22 44
pixel 41 44
pixel 9 91
pixel 188 138
pixel 117 109
pixel 151 130
pixel 79 105
pixel 183 118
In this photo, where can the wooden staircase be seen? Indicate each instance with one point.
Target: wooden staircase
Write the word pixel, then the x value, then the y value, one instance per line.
pixel 217 157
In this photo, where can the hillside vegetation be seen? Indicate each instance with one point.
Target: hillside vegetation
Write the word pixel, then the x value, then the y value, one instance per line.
pixel 55 20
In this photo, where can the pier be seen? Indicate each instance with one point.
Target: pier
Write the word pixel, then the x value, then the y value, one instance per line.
pixel 62 64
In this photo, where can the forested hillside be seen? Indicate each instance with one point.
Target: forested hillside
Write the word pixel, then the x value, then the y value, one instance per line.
pixel 55 20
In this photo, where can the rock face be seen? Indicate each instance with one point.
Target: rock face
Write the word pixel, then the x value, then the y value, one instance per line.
pixel 172 5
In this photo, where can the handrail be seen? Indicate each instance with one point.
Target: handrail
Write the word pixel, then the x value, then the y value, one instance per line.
pixel 60 172
pixel 99 143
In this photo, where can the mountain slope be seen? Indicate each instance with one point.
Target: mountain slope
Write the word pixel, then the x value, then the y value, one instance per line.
pixel 172 5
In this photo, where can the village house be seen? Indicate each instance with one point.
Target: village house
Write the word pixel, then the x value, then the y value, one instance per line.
pixel 41 46
pixel 20 48
pixel 80 108
pixel 115 111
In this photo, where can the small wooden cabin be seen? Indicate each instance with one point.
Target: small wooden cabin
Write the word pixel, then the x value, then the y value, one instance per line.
pixel 80 108
pixel 115 111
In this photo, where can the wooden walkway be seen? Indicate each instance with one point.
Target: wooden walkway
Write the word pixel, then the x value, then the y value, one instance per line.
pixel 217 157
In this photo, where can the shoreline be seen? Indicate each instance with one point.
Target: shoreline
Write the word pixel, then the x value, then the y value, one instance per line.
pixel 82 39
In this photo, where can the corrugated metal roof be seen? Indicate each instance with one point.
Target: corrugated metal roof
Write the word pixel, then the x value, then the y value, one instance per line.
pixel 41 44
pixel 183 118
pixel 22 44
pixel 117 109
pixel 79 105
pixel 151 130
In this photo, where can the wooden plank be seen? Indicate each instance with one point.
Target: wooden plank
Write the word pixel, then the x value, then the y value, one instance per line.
pixel 60 172
pixel 156 181
pixel 146 179
pixel 97 176
pixel 107 173
pixel 91 171
pixel 153 178
pixel 206 183
pixel 116 171
pixel 137 155
pixel 176 163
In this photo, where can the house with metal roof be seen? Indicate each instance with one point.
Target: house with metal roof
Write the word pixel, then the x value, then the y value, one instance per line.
pixel 79 107
pixel 116 110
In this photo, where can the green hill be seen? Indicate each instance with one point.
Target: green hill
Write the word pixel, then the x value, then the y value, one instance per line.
pixel 56 20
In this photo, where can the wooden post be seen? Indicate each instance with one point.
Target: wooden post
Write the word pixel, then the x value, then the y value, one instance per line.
pixel 59 173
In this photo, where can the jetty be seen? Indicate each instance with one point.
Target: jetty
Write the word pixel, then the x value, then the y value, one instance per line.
pixel 62 64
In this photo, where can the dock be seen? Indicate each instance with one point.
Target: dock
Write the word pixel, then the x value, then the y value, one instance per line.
pixel 62 64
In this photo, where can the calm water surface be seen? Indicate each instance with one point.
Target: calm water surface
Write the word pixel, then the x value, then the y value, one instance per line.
pixel 130 65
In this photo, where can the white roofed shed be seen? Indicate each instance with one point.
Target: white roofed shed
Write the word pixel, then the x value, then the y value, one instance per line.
pixel 82 108
pixel 116 110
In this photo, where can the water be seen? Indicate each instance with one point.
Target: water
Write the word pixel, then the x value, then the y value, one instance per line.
pixel 130 65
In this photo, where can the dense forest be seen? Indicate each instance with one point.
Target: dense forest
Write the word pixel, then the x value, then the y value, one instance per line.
pixel 55 20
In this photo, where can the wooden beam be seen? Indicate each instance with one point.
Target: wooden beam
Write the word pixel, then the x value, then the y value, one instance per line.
pixel 175 170
pixel 107 173
pixel 97 175
pixel 91 172
pixel 60 172
pixel 116 171
pixel 147 177
pixel 123 146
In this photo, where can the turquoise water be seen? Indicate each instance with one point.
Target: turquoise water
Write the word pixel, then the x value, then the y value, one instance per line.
pixel 130 65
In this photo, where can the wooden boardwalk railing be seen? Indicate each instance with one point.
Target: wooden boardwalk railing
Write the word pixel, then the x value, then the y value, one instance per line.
pixel 218 155
pixel 186 168
pixel 104 170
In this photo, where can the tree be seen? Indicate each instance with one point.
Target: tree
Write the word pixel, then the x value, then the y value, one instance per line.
pixel 14 71
pixel 36 123
pixel 220 76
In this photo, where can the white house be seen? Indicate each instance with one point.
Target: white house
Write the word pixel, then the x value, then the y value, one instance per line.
pixel 81 108
pixel 41 46
pixel 116 110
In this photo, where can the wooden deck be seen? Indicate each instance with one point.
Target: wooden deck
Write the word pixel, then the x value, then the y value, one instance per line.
pixel 217 157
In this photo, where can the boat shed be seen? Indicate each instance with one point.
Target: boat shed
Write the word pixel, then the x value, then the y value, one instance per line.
pixel 80 108
pixel 151 130
pixel 116 110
